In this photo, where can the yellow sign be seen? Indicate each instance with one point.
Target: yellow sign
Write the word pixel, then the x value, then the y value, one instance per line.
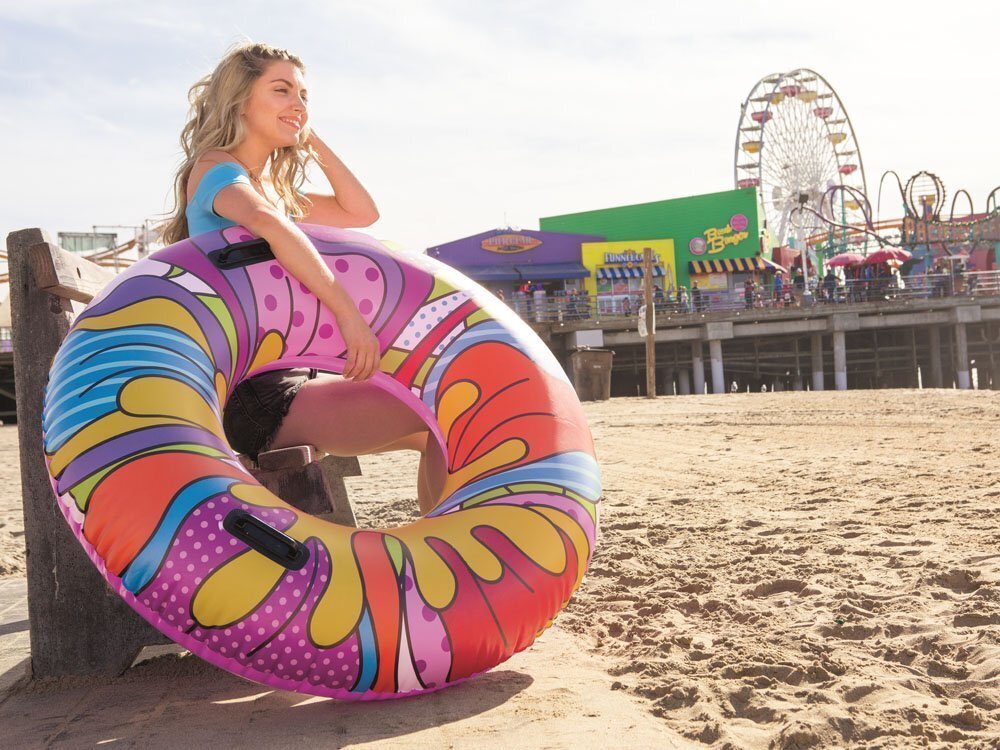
pixel 618 254
pixel 718 237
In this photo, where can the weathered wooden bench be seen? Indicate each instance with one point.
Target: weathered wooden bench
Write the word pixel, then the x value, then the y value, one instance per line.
pixel 78 625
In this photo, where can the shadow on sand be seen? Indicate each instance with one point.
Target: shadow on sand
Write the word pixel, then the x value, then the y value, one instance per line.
pixel 176 700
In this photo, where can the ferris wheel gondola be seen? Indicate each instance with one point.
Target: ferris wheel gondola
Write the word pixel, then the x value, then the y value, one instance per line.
pixel 794 143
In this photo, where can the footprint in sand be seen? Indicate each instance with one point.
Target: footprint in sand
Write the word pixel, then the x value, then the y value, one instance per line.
pixel 975 620
pixel 747 704
pixel 959 580
pixel 626 525
pixel 849 631
pixel 780 586
pixel 854 693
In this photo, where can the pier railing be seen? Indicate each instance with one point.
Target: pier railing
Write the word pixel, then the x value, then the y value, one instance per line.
pixel 551 308
pixel 560 308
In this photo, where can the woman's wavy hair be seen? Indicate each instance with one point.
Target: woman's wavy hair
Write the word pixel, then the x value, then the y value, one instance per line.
pixel 214 122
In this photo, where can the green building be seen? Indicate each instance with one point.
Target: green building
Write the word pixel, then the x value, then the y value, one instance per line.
pixel 717 236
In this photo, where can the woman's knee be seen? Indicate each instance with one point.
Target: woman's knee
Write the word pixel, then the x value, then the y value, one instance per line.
pixel 416 441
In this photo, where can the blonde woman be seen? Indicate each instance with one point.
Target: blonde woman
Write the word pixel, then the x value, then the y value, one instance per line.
pixel 247 142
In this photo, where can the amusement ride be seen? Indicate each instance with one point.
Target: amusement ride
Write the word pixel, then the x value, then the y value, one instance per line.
pixel 795 144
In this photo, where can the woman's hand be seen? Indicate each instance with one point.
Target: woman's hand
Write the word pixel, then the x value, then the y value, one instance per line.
pixel 363 352
pixel 312 141
pixel 350 205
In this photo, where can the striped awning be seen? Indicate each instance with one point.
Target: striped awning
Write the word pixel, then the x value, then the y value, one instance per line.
pixel 623 272
pixel 727 265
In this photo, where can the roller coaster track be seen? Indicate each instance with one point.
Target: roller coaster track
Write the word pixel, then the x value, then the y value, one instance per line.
pixel 877 229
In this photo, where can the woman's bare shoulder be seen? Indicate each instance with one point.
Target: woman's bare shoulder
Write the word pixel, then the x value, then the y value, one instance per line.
pixel 205 162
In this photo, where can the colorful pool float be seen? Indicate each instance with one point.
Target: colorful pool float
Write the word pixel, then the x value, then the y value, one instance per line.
pixel 145 477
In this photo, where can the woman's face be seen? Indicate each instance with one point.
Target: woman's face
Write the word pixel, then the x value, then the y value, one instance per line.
pixel 277 111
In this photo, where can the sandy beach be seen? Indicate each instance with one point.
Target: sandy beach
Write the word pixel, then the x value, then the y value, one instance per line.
pixel 784 570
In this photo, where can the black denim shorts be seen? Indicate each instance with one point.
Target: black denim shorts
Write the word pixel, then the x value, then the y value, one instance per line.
pixel 258 405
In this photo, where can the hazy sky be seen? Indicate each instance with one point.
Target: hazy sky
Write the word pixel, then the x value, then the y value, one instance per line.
pixel 459 115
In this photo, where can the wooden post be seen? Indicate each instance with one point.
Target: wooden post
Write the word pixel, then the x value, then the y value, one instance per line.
pixel 78 625
pixel 934 348
pixel 798 383
pixel 994 374
pixel 647 288
pixel 878 364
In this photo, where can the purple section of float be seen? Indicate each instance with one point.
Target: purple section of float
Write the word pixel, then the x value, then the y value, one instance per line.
pixel 231 288
pixel 103 455
pixel 143 287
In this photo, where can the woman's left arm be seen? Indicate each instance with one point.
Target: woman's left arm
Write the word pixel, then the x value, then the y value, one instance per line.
pixel 350 206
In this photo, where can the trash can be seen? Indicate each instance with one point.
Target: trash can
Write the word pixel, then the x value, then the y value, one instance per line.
pixel 590 373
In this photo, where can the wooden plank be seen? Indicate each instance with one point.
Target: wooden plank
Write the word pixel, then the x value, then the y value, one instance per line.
pixel 333 473
pixel 343 466
pixel 78 625
pixel 295 457
pixel 304 477
pixel 302 455
pixel 64 274
pixel 316 488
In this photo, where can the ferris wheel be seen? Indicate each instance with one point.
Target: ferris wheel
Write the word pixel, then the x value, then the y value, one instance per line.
pixel 794 144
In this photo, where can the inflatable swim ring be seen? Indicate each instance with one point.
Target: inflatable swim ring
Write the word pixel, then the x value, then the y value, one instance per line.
pixel 144 475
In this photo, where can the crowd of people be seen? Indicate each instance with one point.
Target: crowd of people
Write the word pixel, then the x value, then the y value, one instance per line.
pixel 862 283
pixel 664 300
pixel 530 300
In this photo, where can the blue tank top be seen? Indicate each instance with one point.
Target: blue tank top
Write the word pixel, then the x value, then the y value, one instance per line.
pixel 201 216
pixel 200 213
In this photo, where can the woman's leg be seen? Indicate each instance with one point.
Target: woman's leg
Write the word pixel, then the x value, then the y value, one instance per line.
pixel 431 473
pixel 344 418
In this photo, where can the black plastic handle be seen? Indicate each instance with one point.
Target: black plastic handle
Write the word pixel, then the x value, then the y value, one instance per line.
pixel 242 254
pixel 267 540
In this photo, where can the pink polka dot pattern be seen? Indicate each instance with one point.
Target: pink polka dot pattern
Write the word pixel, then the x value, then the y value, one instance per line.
pixel 294 312
pixel 200 544
pixel 273 637
pixel 236 234
pixel 426 633
pixel 281 644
